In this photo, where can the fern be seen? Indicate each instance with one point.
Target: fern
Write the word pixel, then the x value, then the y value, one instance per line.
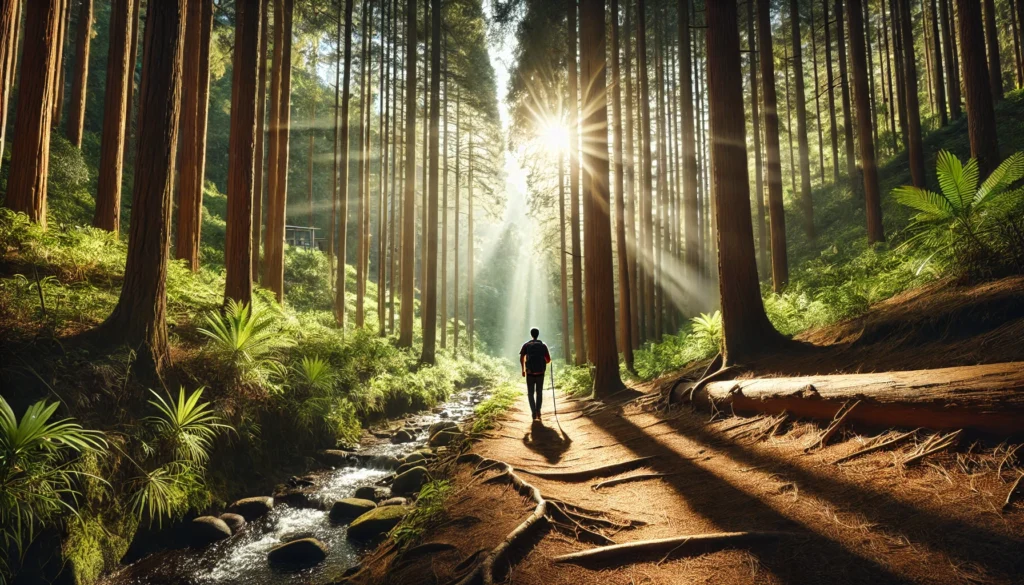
pixel 247 337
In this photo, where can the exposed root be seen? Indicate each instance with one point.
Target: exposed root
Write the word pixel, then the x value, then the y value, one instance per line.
pixel 1013 491
pixel 630 479
pixel 714 366
pixel 588 474
pixel 634 552
pixel 555 513
pixel 841 416
pixel 769 428
pixel 876 447
pixel 743 423
pixel 933 445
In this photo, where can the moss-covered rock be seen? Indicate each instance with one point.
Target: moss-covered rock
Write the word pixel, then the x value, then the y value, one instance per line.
pixel 350 508
pixel 377 522
pixel 410 482
pixel 302 553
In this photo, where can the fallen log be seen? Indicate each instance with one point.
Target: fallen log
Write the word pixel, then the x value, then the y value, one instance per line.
pixel 987 399
pixel 695 544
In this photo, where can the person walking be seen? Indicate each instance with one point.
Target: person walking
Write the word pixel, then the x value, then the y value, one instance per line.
pixel 534 359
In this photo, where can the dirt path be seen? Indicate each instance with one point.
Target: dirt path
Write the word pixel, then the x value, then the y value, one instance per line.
pixel 863 522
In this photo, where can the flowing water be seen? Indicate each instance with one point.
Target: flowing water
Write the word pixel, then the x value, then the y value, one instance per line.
pixel 242 559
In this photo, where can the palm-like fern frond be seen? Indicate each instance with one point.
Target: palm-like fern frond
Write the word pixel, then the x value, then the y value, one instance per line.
pixel 932 205
pixel 958 182
pixel 187 424
pixel 1009 172
pixel 243 332
pixel 316 373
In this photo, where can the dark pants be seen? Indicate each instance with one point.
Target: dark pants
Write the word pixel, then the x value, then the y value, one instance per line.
pixel 535 385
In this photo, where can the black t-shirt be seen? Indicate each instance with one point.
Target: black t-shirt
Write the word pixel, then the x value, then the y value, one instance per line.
pixel 537 357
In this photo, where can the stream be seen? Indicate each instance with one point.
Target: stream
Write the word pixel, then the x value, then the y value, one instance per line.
pixel 242 559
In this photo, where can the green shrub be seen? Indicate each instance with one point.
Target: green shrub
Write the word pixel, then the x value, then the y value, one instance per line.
pixel 428 511
pixel 488 411
pixel 247 338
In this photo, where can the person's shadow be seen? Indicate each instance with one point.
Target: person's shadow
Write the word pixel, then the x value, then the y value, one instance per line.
pixel 546 441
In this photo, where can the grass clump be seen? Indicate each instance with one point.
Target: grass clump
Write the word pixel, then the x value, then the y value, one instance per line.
pixel 428 512
pixel 488 411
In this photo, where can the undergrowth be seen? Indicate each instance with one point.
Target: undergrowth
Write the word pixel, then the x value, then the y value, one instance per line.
pixel 488 411
pixel 430 507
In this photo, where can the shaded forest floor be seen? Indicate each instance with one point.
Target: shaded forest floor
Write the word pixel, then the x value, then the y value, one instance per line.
pixel 871 520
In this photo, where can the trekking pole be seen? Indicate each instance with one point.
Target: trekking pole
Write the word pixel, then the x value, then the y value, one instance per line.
pixel 554 405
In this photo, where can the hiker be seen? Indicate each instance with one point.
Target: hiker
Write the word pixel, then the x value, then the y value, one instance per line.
pixel 534 359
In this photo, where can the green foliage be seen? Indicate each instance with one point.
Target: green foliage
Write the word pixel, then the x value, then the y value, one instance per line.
pixel 37 474
pixel 183 434
pixel 500 400
pixel 247 337
pixel 707 328
pixel 428 511
pixel 959 226
pixel 574 380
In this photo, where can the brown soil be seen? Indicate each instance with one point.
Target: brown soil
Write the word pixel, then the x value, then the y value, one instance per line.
pixel 872 520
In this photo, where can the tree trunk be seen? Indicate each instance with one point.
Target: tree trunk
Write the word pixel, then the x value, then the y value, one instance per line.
pixel 115 110
pixel 274 271
pixel 806 202
pixel 274 122
pixel 396 115
pixel 10 25
pixel 600 290
pixel 261 111
pixel 30 151
pixel 620 201
pixel 844 83
pixel 195 93
pixel 630 171
pixel 915 147
pixel 773 158
pixel 58 72
pixel 312 143
pixel 995 71
pixel 342 176
pixel 646 258
pixel 458 191
pixel 409 202
pixel 793 171
pixel 470 246
pixel 579 340
pixel 747 330
pixel 133 60
pixel 80 79
pixel 869 169
pixel 424 166
pixel 364 99
pixel 139 319
pixel 981 117
pixel 817 99
pixel 937 80
pixel 430 213
pixel 762 228
pixel 887 79
pixel 949 50
pixel 566 339
pixel 382 185
pixel 242 163
pixel 985 398
pixel 658 208
pixel 833 134
pixel 1017 57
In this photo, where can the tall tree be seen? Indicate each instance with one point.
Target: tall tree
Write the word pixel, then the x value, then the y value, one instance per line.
pixel 579 342
pixel 115 110
pixel 80 79
pixel 646 256
pixel 858 58
pixel 995 70
pixel 937 74
pixel 747 330
pixel 261 114
pixel 981 117
pixel 430 293
pixel 409 199
pixel 30 152
pixel 600 291
pixel 773 157
pixel 10 25
pixel 139 319
pixel 831 91
pixel 273 136
pixel 915 147
pixel 626 343
pixel 630 172
pixel 362 239
pixel 57 100
pixel 844 86
pixel 277 204
pixel 242 164
pixel 195 94
pixel 949 51
pixel 762 229
pixel 806 202
pixel 342 175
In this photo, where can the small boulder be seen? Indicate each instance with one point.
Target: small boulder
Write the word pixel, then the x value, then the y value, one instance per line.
pixel 381 462
pixel 444 438
pixel 410 481
pixel 407 466
pixel 414 457
pixel 252 508
pixel 234 521
pixel 298 554
pixel 372 493
pixel 403 436
pixel 395 501
pixel 439 426
pixel 350 508
pixel 376 522
pixel 207 530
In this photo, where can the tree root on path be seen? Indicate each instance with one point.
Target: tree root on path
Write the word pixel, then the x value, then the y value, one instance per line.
pixel 588 474
pixel 876 447
pixel 1013 491
pixel 837 423
pixel 634 552
pixel 555 513
pixel 630 479
pixel 933 445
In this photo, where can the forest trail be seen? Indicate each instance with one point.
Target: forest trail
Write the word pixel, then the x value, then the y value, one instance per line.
pixel 867 521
